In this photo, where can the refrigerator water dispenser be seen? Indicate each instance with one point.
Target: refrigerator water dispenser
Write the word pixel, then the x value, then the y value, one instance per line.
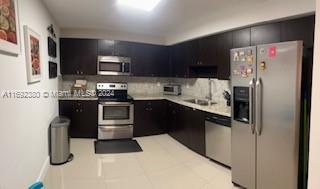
pixel 241 104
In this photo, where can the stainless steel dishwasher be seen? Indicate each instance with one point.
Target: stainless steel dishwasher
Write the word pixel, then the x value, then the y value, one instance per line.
pixel 218 138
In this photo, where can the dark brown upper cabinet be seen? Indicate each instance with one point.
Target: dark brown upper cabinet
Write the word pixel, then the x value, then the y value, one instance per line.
pixel 178 65
pixel 78 56
pixel 204 57
pixel 183 56
pixel 123 48
pixel 114 48
pixel 150 60
pixel 299 29
pixel 105 47
pixel 207 51
pixel 224 43
pixel 241 38
pixel 264 34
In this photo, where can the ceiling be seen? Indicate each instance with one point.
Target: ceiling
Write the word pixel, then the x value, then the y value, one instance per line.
pixel 169 17
pixel 166 18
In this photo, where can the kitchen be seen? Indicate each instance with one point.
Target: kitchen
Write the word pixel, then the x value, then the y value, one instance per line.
pixel 226 107
pixel 196 118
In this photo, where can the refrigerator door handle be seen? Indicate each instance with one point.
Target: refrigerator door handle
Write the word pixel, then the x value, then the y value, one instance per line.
pixel 258 117
pixel 251 105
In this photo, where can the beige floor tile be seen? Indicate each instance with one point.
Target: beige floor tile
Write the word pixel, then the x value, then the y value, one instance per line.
pixel 83 147
pixel 155 161
pixel 220 186
pixel 167 142
pixel 54 178
pixel 83 167
pixel 134 182
pixel 164 164
pixel 223 180
pixel 207 169
pixel 47 181
pixel 178 177
pixel 124 166
pixel 84 184
pixel 148 144
pixel 182 154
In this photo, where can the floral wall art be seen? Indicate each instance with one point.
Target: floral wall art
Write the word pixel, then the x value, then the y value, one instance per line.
pixel 9 27
pixel 33 59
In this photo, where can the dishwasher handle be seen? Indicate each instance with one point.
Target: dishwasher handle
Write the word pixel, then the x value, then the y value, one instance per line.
pixel 220 120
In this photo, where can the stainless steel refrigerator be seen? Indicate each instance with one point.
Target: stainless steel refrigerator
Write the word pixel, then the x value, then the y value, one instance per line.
pixel 266 87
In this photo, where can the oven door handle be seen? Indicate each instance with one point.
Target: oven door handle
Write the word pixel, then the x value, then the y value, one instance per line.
pixel 115 103
pixel 108 128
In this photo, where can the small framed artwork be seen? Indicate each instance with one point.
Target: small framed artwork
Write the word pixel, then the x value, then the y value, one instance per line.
pixel 9 27
pixel 33 59
pixel 53 67
pixel 52 48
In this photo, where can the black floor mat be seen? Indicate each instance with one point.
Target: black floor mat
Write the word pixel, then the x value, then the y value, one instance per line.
pixel 116 146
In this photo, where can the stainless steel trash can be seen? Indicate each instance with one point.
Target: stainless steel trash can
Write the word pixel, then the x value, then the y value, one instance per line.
pixel 60 141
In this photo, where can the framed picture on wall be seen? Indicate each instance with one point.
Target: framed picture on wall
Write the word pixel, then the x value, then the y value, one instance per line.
pixel 33 59
pixel 9 27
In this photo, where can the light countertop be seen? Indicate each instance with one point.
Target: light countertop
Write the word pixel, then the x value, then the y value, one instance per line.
pixel 221 109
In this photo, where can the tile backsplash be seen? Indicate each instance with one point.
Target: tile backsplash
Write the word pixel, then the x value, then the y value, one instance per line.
pixel 150 85
pixel 137 85
pixel 200 88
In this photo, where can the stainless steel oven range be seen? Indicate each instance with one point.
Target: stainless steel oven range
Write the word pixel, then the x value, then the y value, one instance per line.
pixel 115 111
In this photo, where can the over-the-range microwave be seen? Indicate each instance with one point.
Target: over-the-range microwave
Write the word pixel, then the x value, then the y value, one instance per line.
pixel 114 65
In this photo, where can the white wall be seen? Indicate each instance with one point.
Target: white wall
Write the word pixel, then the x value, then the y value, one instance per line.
pixel 24 122
pixel 314 165
pixel 240 15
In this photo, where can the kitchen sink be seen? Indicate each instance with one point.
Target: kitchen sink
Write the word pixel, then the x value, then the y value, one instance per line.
pixel 199 102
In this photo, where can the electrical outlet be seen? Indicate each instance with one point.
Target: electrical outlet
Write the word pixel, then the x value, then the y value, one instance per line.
pixel 158 84
pixel 188 86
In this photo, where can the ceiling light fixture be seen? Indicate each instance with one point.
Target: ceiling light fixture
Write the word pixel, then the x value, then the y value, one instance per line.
pixel 146 5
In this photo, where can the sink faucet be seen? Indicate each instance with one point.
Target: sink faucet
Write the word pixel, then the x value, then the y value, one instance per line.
pixel 209 97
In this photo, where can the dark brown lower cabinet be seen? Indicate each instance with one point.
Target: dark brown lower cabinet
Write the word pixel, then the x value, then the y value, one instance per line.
pixel 194 129
pixel 187 126
pixel 149 117
pixel 172 119
pixel 83 115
